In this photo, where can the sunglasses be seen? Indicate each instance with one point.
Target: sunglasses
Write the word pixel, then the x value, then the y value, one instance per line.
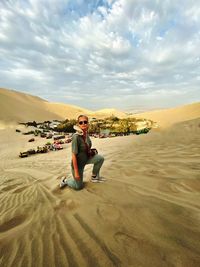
pixel 83 122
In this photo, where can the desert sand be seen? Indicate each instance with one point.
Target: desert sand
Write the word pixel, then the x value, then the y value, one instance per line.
pixel 147 213
pixel 18 107
pixel 167 117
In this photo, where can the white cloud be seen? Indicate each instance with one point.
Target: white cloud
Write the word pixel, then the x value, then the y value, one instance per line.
pixel 134 50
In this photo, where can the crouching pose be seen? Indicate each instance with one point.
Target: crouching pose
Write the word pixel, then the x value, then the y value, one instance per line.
pixel 82 154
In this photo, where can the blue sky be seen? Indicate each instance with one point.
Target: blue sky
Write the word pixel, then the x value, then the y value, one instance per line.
pixel 130 55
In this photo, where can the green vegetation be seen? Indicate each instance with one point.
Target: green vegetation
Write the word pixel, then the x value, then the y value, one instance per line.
pixel 112 123
pixel 115 125
pixel 66 126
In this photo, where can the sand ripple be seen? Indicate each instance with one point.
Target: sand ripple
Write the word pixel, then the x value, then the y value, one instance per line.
pixel 147 213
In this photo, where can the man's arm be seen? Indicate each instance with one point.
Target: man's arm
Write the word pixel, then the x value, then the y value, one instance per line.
pixel 75 164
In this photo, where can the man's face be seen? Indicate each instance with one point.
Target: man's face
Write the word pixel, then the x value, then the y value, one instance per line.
pixel 83 123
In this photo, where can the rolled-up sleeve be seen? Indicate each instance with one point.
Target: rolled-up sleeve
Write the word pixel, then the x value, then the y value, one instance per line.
pixel 75 144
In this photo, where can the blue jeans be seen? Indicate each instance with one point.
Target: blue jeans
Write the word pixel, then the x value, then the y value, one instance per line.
pixel 97 160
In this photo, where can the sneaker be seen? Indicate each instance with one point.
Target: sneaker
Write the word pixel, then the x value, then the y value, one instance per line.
pixel 63 182
pixel 95 179
pixel 102 179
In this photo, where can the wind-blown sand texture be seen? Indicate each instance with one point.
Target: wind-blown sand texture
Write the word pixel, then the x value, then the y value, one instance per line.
pixel 147 213
pixel 167 117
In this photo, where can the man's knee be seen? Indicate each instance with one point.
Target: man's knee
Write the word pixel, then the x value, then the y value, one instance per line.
pixel 79 186
pixel 101 159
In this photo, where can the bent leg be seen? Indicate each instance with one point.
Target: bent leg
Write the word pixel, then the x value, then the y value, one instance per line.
pixel 73 183
pixel 97 160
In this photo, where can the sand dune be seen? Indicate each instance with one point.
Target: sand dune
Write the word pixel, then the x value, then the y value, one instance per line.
pixel 145 214
pixel 19 107
pixel 167 117
pixel 66 111
pixel 103 113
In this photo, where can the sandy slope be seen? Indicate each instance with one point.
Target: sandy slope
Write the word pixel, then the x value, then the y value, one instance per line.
pixel 20 107
pixel 167 117
pixel 66 111
pixel 146 214
pixel 104 113
pixel 72 112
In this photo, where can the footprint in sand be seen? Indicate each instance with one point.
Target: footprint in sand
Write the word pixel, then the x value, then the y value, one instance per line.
pixel 68 204
pixel 124 238
pixel 57 191
pixel 108 212
pixel 90 187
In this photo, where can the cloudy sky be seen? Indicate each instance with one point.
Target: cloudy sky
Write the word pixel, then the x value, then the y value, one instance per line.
pixel 126 54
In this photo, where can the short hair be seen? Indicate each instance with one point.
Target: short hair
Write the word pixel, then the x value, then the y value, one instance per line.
pixel 82 116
